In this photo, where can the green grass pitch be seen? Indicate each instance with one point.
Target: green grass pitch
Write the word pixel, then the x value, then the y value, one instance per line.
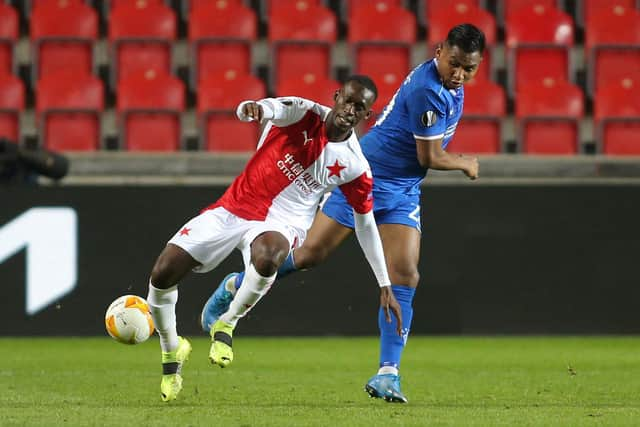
pixel 590 381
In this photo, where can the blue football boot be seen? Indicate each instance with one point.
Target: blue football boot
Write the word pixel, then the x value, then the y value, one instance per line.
pixel 387 387
pixel 217 304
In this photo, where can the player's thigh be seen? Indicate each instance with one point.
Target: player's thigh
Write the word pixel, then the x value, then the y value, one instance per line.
pixel 401 245
pixel 324 236
pixel 210 237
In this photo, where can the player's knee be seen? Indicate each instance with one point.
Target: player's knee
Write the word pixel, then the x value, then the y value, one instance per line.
pixel 266 266
pixel 405 275
pixel 161 274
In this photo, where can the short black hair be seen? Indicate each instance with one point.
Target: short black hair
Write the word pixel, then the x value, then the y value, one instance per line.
pixel 467 37
pixel 365 81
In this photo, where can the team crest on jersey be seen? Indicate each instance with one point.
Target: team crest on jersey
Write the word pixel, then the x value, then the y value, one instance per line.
pixel 429 118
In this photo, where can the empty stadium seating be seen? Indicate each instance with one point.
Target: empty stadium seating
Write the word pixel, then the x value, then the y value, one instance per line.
pixel 149 111
pixel 381 37
pixel 617 116
pixel 319 89
pixel 430 10
pixel 11 105
pixel 62 36
pixel 548 112
pixel 218 98
pixel 479 131
pixel 141 36
pixel 9 28
pixel 68 107
pixel 287 47
pixel 301 41
pixel 588 9
pixel 220 37
pixel 349 7
pixel 538 39
pixel 612 45
pixel 507 8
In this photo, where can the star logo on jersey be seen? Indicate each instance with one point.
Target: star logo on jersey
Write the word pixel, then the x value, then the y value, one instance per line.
pixel 185 231
pixel 335 169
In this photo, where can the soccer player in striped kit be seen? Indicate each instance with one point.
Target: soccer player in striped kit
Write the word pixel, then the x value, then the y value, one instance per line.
pixel 305 150
pixel 408 139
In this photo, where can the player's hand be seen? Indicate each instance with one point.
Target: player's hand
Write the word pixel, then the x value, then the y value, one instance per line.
pixel 253 110
pixel 388 303
pixel 473 168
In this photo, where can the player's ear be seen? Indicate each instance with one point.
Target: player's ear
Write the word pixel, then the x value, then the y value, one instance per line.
pixel 369 113
pixel 336 95
pixel 438 50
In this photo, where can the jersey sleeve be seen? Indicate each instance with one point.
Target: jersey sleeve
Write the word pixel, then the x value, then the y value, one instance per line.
pixel 427 113
pixel 281 111
pixel 358 192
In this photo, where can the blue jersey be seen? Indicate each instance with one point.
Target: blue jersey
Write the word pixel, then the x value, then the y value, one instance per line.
pixel 421 108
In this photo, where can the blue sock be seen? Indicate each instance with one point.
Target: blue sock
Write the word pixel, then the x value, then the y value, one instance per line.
pixel 285 269
pixel 391 345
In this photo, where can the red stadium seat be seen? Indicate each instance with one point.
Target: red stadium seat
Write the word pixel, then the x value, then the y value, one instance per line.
pixel 316 88
pixel 269 7
pixel 301 41
pixel 443 19
pixel 187 6
pixel 11 104
pixel 479 130
pixel 429 10
pixel 617 117
pixel 528 63
pixel 381 37
pixel 612 42
pixel 220 35
pixel 587 9
pixel 507 8
pixel 538 39
pixel 68 108
pixel 149 109
pixel 63 35
pixel 113 4
pixel 34 4
pixel 387 84
pixel 141 37
pixel 348 7
pixel 548 114
pixel 218 98
pixel 9 30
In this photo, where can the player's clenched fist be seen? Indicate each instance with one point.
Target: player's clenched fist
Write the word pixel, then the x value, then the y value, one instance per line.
pixel 253 111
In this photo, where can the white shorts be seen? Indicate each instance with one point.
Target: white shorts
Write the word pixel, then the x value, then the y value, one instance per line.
pixel 211 236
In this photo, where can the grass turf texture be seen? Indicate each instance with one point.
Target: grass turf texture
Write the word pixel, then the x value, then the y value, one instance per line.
pixel 319 382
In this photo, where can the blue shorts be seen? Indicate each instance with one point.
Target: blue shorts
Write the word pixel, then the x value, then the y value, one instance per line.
pixel 388 208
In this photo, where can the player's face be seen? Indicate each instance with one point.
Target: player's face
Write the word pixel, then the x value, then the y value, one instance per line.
pixel 455 66
pixel 353 103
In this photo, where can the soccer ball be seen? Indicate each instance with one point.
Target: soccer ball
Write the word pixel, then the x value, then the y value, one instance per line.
pixel 128 320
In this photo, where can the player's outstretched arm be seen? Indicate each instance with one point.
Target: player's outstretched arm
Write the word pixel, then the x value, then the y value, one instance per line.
pixel 369 239
pixel 432 156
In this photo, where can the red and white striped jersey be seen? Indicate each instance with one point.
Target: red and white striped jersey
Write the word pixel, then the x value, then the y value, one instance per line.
pixel 295 165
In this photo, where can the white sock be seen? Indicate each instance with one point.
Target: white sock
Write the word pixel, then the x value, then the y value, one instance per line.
pixel 388 370
pixel 254 286
pixel 162 303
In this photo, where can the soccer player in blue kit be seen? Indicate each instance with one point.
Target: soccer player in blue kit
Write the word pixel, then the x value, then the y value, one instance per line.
pixel 409 137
